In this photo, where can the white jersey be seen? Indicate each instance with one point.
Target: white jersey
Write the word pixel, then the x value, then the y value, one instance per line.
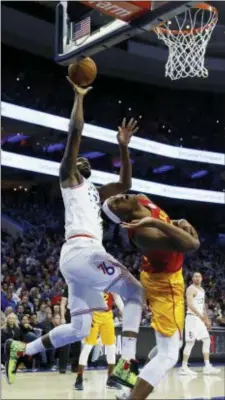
pixel 198 301
pixel 82 211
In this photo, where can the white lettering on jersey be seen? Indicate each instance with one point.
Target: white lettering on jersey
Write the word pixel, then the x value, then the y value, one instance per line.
pixel 82 211
pixel 198 301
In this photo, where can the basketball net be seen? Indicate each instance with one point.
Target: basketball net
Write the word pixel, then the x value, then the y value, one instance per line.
pixel 186 37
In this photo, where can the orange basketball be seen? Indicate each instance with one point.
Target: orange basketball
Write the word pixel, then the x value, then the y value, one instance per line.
pixel 83 73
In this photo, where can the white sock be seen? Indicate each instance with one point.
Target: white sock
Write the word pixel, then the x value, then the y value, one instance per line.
pixel 34 347
pixel 184 364
pixel 129 348
pixel 207 363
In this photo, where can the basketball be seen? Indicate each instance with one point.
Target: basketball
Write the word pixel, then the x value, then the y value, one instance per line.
pixel 83 73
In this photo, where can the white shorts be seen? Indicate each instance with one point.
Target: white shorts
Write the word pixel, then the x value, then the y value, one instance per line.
pixel 195 329
pixel 89 271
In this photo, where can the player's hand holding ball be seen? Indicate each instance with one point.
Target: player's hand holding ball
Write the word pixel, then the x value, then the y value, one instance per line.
pixel 77 89
pixel 126 131
pixel 81 75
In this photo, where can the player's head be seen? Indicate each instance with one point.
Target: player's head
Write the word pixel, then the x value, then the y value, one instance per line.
pixel 120 208
pixel 197 278
pixel 84 167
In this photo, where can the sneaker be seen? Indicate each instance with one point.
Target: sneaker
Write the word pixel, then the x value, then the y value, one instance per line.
pixel 14 350
pixel 210 370
pixel 110 384
pixel 2 367
pixel 78 385
pixel 125 373
pixel 187 371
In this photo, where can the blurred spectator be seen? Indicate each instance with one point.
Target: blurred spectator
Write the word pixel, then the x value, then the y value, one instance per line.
pixel 10 330
pixel 3 319
pixel 20 312
pixel 56 310
pixel 41 314
pixel 27 331
pixel 28 306
pixel 11 303
pixel 34 321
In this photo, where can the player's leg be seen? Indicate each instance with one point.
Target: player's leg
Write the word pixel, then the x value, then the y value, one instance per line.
pixel 89 342
pixel 108 337
pixel 83 300
pixel 204 336
pixel 77 330
pixel 190 338
pixel 132 292
pixel 156 369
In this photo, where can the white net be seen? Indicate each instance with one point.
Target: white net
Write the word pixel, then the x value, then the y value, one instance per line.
pixel 186 37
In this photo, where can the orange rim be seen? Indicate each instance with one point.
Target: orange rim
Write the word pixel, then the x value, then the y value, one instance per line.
pixel 202 6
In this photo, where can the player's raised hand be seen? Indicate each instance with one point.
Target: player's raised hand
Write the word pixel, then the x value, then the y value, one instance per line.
pixel 77 89
pixel 126 131
pixel 144 222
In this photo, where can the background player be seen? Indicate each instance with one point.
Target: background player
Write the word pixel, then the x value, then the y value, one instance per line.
pixel 87 268
pixel 196 326
pixel 161 277
pixel 103 326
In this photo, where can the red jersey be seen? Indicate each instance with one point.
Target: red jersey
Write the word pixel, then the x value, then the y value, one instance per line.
pixel 109 300
pixel 160 261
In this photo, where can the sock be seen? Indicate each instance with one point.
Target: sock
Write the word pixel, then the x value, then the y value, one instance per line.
pixel 184 364
pixel 129 348
pixel 34 347
pixel 207 363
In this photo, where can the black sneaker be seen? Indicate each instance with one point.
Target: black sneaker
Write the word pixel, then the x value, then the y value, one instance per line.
pixel 78 385
pixel 110 384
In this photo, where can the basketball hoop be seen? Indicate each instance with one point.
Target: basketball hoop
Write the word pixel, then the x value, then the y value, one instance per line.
pixel 186 36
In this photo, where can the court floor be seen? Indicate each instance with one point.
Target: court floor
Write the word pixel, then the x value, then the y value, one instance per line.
pixel 52 385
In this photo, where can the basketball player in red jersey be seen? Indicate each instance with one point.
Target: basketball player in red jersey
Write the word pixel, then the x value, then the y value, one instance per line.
pixel 161 277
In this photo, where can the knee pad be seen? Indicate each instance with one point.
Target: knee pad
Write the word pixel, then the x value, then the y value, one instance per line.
pixel 111 354
pixel 158 367
pixel 188 348
pixel 168 361
pixel 81 324
pixel 206 345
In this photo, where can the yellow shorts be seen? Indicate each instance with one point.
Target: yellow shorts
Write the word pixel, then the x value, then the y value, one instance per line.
pixel 103 325
pixel 165 294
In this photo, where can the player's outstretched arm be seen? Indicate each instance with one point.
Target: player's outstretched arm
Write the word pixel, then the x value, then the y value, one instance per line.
pixel 125 132
pixel 68 173
pixel 153 234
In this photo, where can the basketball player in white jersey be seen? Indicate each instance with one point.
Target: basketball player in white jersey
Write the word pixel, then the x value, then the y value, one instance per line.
pixel 87 268
pixel 196 326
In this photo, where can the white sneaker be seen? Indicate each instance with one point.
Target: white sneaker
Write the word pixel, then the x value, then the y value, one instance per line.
pixel 187 371
pixel 210 370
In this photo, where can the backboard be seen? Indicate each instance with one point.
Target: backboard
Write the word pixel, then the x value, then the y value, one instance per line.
pixel 88 27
